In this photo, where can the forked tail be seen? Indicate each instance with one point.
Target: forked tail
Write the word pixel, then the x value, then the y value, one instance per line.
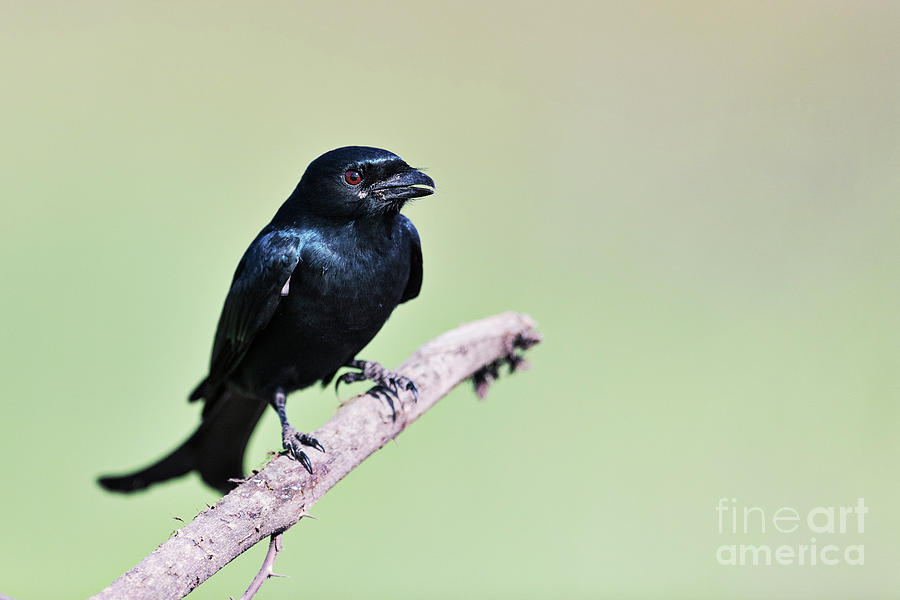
pixel 215 449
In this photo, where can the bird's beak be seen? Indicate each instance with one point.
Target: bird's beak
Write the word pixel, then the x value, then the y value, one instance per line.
pixel 403 186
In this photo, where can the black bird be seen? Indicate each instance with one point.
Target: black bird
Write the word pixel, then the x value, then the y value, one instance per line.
pixel 310 292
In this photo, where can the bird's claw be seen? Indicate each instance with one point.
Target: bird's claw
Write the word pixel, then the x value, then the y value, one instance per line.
pixel 388 383
pixel 387 394
pixel 293 449
pixel 349 377
pixel 293 442
pixel 391 392
pixel 304 460
pixel 308 440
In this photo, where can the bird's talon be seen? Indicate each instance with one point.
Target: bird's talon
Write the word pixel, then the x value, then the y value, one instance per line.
pixel 410 386
pixel 308 440
pixel 312 443
pixel 293 440
pixel 383 393
pixel 304 460
pixel 350 377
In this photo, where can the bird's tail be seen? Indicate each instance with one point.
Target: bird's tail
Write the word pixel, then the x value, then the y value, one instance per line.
pixel 215 449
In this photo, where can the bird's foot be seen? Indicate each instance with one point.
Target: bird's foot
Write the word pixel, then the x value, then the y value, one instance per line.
pixel 294 441
pixel 389 383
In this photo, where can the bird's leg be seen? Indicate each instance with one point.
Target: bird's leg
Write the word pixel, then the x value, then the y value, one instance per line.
pixel 389 382
pixel 291 439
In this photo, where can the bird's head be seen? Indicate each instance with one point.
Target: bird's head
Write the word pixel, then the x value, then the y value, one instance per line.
pixel 358 181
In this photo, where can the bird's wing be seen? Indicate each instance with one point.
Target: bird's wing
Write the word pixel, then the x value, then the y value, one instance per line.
pixel 261 279
pixel 414 283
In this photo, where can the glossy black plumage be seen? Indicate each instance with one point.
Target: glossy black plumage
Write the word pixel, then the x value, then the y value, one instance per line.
pixel 310 292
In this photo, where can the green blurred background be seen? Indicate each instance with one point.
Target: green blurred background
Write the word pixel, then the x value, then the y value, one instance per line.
pixel 697 201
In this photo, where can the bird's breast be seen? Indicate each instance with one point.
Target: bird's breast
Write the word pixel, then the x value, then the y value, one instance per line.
pixel 352 288
pixel 340 294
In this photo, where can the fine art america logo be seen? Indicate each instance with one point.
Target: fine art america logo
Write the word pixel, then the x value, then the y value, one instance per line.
pixel 829 535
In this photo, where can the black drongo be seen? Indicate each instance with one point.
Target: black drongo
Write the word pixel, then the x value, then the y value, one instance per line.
pixel 310 292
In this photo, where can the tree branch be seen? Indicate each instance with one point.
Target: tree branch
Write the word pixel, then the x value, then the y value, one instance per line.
pixel 266 570
pixel 279 495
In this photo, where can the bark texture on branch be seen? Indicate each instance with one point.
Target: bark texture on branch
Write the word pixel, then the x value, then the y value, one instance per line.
pixel 280 494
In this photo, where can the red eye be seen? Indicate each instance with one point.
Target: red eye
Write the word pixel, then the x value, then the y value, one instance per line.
pixel 352 177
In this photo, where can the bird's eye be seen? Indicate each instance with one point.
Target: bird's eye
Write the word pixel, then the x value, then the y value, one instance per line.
pixel 352 177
